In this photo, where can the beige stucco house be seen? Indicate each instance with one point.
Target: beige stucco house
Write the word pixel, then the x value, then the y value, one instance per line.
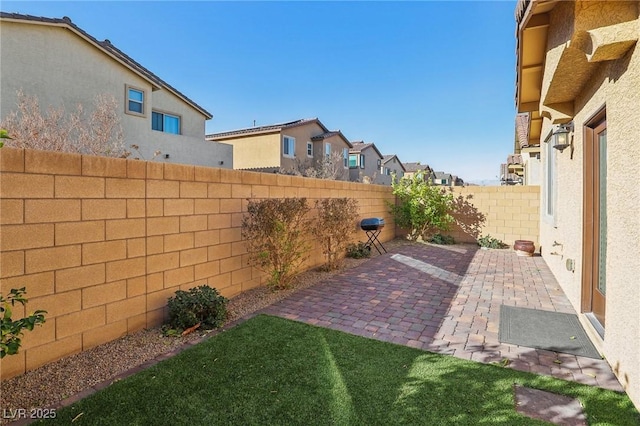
pixel 289 147
pixel 391 166
pixel 578 76
pixel 62 65
pixel 365 162
pixel 412 168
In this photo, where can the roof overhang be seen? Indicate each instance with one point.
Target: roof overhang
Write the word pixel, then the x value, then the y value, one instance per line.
pixel 573 62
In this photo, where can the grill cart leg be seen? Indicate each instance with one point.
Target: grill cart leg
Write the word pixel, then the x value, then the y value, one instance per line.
pixel 374 241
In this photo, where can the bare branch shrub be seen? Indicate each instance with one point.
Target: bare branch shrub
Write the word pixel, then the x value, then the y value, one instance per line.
pixel 334 227
pixel 98 133
pixel 331 167
pixel 274 230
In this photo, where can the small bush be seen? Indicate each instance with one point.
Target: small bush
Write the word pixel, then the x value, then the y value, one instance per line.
pixel 442 239
pixel 489 242
pixel 334 227
pixel 200 305
pixel 358 251
pixel 274 231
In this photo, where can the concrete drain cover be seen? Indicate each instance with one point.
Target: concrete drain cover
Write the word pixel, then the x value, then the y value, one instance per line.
pixel 550 407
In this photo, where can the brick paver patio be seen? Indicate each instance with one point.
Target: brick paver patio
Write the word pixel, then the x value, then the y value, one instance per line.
pixel 445 299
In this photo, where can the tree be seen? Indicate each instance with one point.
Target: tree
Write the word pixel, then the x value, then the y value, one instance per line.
pixel 423 209
pixel 96 133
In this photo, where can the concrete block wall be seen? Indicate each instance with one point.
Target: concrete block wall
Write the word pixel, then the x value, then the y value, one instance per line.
pixel 102 243
pixel 512 212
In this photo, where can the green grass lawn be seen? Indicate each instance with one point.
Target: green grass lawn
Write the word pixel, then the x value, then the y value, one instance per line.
pixel 271 371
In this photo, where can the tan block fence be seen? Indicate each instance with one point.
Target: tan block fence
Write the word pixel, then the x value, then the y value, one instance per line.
pixel 102 243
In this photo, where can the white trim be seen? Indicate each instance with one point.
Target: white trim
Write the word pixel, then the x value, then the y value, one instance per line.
pixel 310 148
pixel 292 147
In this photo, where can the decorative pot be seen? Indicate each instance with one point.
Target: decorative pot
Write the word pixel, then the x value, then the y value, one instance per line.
pixel 524 248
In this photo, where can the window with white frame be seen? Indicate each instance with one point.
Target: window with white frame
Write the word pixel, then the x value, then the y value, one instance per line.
pixel 309 149
pixel 345 157
pixel 550 182
pixel 353 161
pixel 163 122
pixel 288 146
pixel 361 161
pixel 327 150
pixel 135 101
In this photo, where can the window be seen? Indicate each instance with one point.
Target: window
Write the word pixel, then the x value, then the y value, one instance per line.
pixel 353 161
pixel 165 122
pixel 549 184
pixel 309 149
pixel 135 101
pixel 345 157
pixel 288 146
pixel 361 161
pixel 327 150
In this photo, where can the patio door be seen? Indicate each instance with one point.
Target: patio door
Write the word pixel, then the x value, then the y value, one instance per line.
pixel 594 281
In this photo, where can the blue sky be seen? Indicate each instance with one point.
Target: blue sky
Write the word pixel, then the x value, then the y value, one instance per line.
pixel 429 81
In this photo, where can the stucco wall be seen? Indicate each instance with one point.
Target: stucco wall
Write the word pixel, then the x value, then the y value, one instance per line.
pixel 62 69
pixel 613 85
pixel 101 243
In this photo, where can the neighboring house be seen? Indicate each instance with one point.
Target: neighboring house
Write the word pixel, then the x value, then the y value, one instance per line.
pixel 365 162
pixel 527 144
pixel 62 65
pixel 508 178
pixel 442 178
pixel 578 73
pixel 391 166
pixel 410 169
pixel 287 147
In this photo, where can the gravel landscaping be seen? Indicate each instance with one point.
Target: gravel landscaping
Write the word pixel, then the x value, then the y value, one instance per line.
pixel 52 383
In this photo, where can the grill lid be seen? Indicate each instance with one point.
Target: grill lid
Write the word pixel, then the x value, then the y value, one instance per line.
pixel 372 223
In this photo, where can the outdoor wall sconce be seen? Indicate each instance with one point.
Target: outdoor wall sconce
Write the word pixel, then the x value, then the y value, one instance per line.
pixel 562 137
pixel 166 156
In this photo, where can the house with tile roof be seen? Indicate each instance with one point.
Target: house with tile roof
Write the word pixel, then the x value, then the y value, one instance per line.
pixel 578 76
pixel 63 66
pixel 412 168
pixel 288 147
pixel 365 161
pixel 391 166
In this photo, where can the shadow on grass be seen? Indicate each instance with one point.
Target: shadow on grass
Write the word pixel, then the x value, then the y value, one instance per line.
pixel 270 370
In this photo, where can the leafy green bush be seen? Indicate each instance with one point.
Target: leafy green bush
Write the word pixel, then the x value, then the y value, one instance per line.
pixel 274 233
pixel 489 242
pixel 12 330
pixel 422 208
pixel 442 239
pixel 358 251
pixel 200 305
pixel 334 227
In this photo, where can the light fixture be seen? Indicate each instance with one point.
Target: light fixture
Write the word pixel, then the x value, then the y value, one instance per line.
pixel 562 137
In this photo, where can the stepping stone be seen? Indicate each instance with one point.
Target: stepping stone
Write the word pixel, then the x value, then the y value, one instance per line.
pixel 550 407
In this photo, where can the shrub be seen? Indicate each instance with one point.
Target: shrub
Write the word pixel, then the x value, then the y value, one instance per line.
pixel 334 227
pixel 442 239
pixel 96 133
pixel 274 233
pixel 358 251
pixel 422 208
pixel 12 330
pixel 200 305
pixel 489 242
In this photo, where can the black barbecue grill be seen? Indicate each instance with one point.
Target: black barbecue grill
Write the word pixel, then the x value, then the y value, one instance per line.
pixel 372 226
